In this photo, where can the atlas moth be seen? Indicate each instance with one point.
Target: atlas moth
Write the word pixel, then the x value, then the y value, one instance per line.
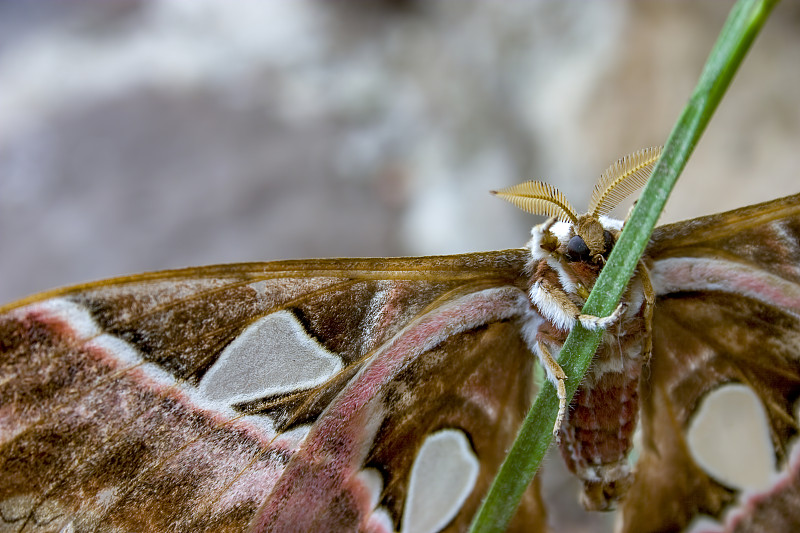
pixel 381 394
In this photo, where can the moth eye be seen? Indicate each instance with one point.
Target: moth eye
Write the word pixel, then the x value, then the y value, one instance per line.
pixel 609 242
pixel 577 249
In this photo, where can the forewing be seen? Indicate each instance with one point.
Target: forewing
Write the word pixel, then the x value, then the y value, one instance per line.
pixel 727 311
pixel 274 396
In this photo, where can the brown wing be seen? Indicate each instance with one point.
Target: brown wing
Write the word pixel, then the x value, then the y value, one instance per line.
pixel 775 509
pixel 272 396
pixel 727 311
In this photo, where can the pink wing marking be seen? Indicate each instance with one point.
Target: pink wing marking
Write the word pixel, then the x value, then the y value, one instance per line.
pixel 339 442
pixel 689 273
pixel 238 457
pixel 765 509
pixel 71 320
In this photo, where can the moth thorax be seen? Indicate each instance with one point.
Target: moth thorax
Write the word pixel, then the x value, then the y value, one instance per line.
pixel 588 228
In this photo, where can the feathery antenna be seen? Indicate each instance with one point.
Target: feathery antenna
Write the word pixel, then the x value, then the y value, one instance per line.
pixel 540 199
pixel 619 181
pixel 622 179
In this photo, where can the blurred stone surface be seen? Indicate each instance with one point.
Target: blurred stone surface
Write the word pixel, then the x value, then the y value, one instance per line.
pixel 150 135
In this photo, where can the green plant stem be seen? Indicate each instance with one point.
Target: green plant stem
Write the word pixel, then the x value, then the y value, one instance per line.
pixel 743 24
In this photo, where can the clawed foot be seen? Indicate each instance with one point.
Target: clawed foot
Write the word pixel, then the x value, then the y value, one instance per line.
pixel 593 323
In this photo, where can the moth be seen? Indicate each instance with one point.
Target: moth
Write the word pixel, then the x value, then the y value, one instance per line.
pixel 381 394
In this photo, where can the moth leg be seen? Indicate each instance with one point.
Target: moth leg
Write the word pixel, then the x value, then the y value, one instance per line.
pixel 556 376
pixel 554 304
pixel 593 323
pixel 649 303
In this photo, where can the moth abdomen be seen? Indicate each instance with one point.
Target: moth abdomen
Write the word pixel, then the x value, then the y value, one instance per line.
pixel 597 434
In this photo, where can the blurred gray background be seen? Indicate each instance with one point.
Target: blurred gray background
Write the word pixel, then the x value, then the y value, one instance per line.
pixel 149 135
pixel 141 136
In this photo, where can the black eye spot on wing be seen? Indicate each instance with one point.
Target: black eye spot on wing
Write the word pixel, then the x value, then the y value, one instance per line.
pixel 577 249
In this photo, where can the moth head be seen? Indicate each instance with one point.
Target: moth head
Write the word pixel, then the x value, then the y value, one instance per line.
pixel 588 238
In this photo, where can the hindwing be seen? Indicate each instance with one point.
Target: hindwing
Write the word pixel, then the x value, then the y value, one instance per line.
pixel 727 311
